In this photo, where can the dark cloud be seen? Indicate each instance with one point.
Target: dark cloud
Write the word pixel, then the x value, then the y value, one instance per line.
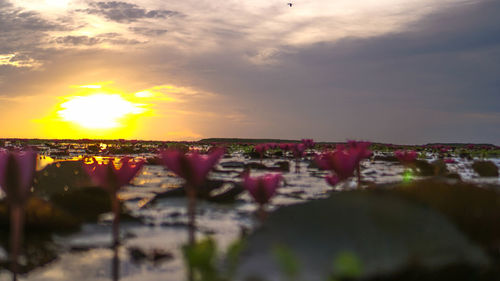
pixel 148 31
pixel 435 80
pixel 78 40
pixel 111 38
pixel 21 30
pixel 126 12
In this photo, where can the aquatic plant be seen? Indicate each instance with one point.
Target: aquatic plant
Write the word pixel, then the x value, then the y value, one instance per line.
pixel 340 161
pixel 346 266
pixel 262 189
pixel 287 261
pixel 193 168
pixel 298 150
pixel 203 260
pixel 406 157
pixel 309 143
pixel 17 170
pixel 343 161
pixel 362 151
pixel 285 146
pixel 112 177
pixel 261 149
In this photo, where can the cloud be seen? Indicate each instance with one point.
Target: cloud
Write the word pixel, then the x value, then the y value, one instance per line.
pixel 422 82
pixel 78 40
pixel 150 32
pixel 18 61
pixel 430 78
pixel 83 40
pixel 123 12
pixel 22 37
pixel 21 29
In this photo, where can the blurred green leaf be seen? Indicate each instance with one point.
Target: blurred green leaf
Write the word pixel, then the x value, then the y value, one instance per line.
pixel 233 255
pixel 200 259
pixel 287 261
pixel 347 265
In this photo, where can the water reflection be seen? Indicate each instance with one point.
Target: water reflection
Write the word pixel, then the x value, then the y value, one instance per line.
pixel 115 264
pixel 37 250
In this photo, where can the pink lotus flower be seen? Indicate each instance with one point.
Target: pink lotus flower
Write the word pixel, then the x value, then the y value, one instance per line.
pixel 309 143
pixel 272 145
pixel 332 180
pixel 298 149
pixel 445 149
pixel 285 146
pixel 261 148
pixel 17 170
pixel 406 157
pixel 343 162
pixel 262 188
pixel 193 167
pixel 110 176
pixel 360 148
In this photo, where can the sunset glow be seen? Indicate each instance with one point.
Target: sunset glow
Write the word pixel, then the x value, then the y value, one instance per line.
pixel 202 109
pixel 187 70
pixel 98 111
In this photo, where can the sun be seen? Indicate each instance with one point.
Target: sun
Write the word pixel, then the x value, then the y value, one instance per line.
pixel 98 111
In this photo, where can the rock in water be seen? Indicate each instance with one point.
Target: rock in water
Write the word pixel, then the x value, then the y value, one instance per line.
pixel 41 216
pixel 60 177
pixel 384 232
pixel 485 168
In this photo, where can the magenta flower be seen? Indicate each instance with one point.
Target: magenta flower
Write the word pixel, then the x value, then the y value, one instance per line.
pixel 17 170
pixel 262 188
pixel 285 146
pixel 298 149
pixel 332 180
pixel 261 148
pixel 343 162
pixel 110 176
pixel 406 157
pixel 193 167
pixel 309 143
pixel 360 148
pixel 272 145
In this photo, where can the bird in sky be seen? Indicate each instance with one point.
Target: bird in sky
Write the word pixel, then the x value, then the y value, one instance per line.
pixel 289 4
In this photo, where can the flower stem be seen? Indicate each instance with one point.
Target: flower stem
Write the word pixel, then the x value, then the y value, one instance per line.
pixel 358 169
pixel 191 194
pixel 262 213
pixel 115 205
pixel 16 236
pixel 115 264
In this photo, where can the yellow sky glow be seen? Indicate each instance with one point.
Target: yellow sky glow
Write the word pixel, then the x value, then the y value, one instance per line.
pixel 98 111
pixel 104 111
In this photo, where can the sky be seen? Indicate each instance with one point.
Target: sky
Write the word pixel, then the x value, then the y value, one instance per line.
pixel 394 71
